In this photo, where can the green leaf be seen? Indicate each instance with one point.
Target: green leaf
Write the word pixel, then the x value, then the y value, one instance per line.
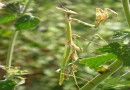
pixel 7 85
pixel 121 35
pixel 6 17
pixel 115 82
pixel 124 55
pixel 26 22
pixel 111 48
pixel 95 62
pixel 122 51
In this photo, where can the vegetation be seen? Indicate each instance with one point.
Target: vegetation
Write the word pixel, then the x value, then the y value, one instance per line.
pixel 64 45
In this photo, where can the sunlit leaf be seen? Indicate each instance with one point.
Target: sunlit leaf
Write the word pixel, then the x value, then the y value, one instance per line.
pixel 95 62
pixel 4 18
pixel 122 51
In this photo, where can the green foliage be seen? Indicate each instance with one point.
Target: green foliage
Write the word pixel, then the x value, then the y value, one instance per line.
pixel 4 18
pixel 111 48
pixel 15 71
pixel 115 83
pixel 26 22
pixel 7 85
pixel 122 51
pixel 36 51
pixel 95 62
pixel 119 35
pixel 9 12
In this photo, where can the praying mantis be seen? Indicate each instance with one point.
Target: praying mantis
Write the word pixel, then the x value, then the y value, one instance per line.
pixel 70 52
pixel 70 46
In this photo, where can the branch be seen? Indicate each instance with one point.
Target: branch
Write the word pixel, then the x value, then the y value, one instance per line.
pixel 126 9
pixel 99 78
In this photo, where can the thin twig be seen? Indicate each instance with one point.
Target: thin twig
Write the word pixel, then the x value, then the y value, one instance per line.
pixel 82 22
pixel 11 49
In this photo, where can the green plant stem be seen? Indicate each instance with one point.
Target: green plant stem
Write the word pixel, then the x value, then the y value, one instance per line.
pixel 26 7
pixel 84 23
pixel 13 39
pixel 11 49
pixel 126 8
pixel 99 78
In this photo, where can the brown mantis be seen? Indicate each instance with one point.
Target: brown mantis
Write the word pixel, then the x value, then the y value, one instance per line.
pixel 101 16
pixel 70 52
pixel 71 48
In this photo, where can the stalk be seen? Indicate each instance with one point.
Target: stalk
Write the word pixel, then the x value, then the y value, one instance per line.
pixel 126 9
pixel 99 78
pixel 12 41
pixel 11 49
pixel 26 7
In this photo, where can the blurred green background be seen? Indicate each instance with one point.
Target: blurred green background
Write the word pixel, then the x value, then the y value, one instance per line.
pixel 40 50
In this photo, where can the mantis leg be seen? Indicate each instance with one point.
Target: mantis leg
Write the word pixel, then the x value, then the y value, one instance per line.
pixel 65 58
